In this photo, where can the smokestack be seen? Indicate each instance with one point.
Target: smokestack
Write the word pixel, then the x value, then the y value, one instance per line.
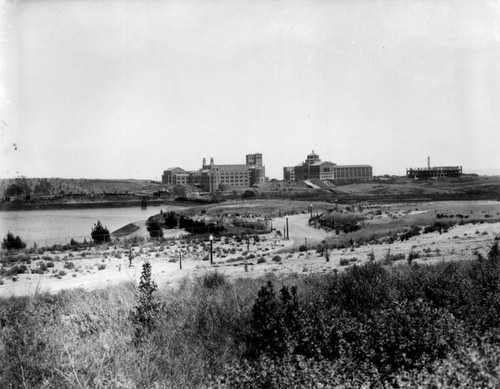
pixel 204 162
pixel 212 161
pixel 428 162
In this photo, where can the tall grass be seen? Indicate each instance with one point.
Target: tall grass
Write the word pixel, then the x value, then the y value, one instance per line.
pixel 408 325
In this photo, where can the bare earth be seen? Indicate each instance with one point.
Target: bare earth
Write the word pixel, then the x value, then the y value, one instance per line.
pixel 230 257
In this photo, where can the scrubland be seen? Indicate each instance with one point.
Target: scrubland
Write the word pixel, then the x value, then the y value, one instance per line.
pixel 407 298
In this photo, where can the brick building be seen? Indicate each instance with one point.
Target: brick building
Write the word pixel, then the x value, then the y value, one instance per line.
pixel 212 177
pixel 315 168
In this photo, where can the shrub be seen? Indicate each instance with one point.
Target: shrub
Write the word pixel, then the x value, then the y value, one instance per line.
pixel 170 220
pixel 261 260
pixel 302 248
pixel 213 280
pixel 408 335
pixel 100 233
pixel 438 226
pixel 412 255
pixel 145 314
pixel 11 242
pixel 275 322
pixel 69 265
pixel 248 194
pixel 154 229
pixel 339 221
pixel 410 233
pixel 347 261
pixel 101 266
pixel 15 270
pixel 277 258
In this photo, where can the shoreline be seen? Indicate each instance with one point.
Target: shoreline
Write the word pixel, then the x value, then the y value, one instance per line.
pixel 11 206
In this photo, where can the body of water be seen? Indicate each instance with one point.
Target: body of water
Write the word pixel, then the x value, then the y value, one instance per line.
pixel 47 227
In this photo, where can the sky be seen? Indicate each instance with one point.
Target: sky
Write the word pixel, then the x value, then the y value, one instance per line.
pixel 127 89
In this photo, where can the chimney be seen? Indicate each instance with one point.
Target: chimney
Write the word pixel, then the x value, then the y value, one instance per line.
pixel 204 162
pixel 212 161
pixel 428 162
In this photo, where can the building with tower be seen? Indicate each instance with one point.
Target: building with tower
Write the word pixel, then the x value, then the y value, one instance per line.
pixel 220 177
pixel 314 168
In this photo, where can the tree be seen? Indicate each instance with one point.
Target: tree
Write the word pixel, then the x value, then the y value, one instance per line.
pixel 11 242
pixel 20 187
pixel 154 229
pixel 100 233
pixel 44 187
pixel 147 310
pixel 170 220
pixel 179 191
pixel 248 194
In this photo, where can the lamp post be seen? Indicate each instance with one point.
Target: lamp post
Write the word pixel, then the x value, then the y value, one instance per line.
pixel 311 208
pixel 211 239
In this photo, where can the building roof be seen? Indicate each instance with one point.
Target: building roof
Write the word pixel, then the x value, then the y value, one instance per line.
pixel 228 166
pixel 353 166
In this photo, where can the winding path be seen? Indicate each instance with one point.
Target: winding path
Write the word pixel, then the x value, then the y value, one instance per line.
pixel 299 229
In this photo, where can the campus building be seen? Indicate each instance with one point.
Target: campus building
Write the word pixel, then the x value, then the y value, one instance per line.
pixel 315 168
pixel 213 177
pixel 433 172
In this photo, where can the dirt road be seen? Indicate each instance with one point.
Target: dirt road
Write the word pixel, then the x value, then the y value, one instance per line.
pixel 299 230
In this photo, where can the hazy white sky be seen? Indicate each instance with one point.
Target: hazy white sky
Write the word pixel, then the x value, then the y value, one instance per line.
pixel 126 89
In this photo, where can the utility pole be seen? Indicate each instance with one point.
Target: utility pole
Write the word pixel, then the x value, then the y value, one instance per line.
pixel 287 232
pixel 211 238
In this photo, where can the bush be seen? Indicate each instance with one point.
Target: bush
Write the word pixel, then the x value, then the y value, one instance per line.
pixel 261 260
pixel 170 220
pixel 11 242
pixel 248 194
pixel 277 258
pixel 339 221
pixel 15 270
pixel 275 321
pixel 302 248
pixel 213 280
pixel 414 231
pixel 154 229
pixel 100 233
pixel 145 314
pixel 438 226
pixel 347 261
pixel 73 242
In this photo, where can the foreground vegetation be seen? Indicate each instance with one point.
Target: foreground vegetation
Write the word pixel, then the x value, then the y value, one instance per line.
pixel 401 326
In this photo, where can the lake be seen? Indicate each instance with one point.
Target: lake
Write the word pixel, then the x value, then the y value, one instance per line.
pixel 48 227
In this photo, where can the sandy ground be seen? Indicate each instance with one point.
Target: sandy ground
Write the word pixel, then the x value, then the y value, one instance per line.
pixel 230 257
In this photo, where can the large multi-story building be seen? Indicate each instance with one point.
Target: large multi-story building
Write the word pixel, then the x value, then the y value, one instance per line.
pixel 212 177
pixel 433 171
pixel 313 167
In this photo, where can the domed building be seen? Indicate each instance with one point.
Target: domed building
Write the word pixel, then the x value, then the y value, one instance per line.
pixel 315 168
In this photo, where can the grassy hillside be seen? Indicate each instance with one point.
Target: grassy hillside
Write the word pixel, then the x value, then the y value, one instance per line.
pixel 58 186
